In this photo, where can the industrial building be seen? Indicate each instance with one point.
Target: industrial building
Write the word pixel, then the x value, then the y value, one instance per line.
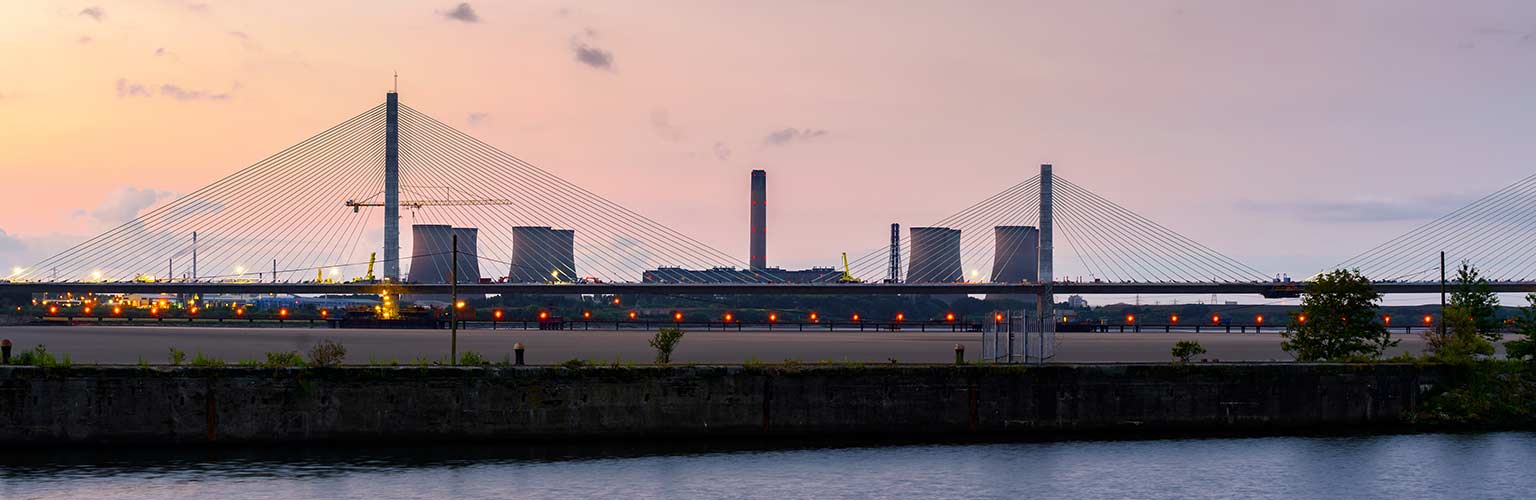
pixel 935 255
pixel 541 254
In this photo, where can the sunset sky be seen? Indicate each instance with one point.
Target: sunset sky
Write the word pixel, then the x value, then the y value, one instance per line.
pixel 1288 135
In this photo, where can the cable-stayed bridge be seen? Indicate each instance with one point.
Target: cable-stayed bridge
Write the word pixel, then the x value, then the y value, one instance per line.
pixel 319 216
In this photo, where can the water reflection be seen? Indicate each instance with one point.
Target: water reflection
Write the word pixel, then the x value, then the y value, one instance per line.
pixel 1411 466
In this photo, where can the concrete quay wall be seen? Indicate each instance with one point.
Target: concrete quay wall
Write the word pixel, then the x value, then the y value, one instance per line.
pixel 113 405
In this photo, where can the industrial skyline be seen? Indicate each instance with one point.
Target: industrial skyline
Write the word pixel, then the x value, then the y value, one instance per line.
pixel 141 127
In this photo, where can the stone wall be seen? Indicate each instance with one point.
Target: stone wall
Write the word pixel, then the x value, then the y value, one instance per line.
pixel 400 404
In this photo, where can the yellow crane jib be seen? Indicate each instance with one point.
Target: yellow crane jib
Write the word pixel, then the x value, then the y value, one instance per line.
pixel 847 277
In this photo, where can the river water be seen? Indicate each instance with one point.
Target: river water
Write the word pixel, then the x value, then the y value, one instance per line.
pixel 1460 466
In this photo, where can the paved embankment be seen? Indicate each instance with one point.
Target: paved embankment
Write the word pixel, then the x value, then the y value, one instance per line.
pixel 128 344
pixel 405 404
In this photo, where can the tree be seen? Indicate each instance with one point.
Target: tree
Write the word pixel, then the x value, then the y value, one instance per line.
pixel 665 342
pixel 1472 298
pixel 1526 324
pixel 1186 350
pixel 1337 320
pixel 1460 340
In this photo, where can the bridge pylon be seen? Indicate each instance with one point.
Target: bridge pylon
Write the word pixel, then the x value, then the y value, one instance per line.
pixel 1045 302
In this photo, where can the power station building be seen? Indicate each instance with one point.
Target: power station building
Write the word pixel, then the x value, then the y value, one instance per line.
pixel 541 254
pixel 432 253
pixel 935 256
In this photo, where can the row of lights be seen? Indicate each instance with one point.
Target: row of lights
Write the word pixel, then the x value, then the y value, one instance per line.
pixel 1216 318
pixel 773 317
pixel 155 310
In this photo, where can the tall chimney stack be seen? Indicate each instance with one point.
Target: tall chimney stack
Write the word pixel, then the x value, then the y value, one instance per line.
pixel 759 250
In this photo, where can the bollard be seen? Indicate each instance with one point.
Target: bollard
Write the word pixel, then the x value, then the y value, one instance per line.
pixel 5 352
pixel 959 354
pixel 517 349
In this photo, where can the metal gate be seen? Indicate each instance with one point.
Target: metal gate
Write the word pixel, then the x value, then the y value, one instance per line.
pixel 1016 337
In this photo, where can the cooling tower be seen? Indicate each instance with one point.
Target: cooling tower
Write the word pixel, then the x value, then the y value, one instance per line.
pixel 431 253
pixel 759 244
pixel 1015 259
pixel 1016 254
pixel 469 251
pixel 935 255
pixel 541 254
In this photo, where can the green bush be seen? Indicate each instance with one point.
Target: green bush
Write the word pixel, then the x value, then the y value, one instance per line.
pixel 177 356
pixel 327 353
pixel 39 356
pixel 1460 341
pixel 665 342
pixel 1525 324
pixel 200 360
pixel 283 359
pixel 472 358
pixel 574 364
pixel 1186 350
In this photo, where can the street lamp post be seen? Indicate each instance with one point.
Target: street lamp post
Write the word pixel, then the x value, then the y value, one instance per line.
pixel 453 305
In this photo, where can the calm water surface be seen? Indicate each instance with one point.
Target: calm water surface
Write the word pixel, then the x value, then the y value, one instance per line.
pixel 1498 465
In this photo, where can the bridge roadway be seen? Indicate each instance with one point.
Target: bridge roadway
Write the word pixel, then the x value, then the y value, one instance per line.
pixel 1060 288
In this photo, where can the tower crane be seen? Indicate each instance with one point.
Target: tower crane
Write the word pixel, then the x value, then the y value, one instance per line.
pixel 431 203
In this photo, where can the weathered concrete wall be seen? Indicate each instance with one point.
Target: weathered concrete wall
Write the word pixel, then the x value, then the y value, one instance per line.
pixel 170 405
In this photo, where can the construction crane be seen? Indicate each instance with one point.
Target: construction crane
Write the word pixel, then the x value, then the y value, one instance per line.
pixel 431 203
pixel 847 277
pixel 369 275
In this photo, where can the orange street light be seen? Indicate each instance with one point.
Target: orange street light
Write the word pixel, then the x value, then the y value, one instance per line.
pixel 1130 318
pixel 586 315
pixel 1259 318
pixel 1215 318
pixel 855 316
pixel 1174 318
pixel 1386 319
pixel 677 316
pixel 1428 319
pixel 282 312
pixel 773 317
pixel 631 315
pixel 814 317
pixel 543 315
pixel 949 316
pixel 900 316
pixel 728 317
pixel 496 314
